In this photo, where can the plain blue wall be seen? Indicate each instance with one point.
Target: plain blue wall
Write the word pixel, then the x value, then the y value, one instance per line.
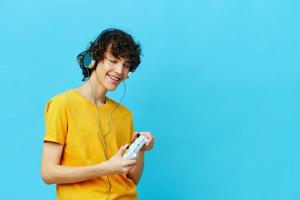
pixel 218 87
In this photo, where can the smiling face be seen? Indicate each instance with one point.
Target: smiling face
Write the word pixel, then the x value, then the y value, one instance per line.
pixel 111 71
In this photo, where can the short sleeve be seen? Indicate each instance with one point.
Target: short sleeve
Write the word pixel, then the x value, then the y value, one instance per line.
pixel 56 121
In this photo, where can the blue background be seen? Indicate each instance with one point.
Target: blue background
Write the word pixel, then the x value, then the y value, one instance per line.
pixel 218 87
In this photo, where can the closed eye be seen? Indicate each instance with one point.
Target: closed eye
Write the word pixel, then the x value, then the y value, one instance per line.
pixel 113 61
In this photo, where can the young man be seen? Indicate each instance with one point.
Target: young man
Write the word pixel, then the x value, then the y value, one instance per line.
pixel 87 133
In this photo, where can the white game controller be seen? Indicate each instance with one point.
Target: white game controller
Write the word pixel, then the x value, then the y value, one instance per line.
pixel 138 143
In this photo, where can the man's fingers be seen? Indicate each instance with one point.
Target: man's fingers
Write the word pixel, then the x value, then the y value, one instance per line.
pixel 129 163
pixel 150 140
pixel 135 135
pixel 122 149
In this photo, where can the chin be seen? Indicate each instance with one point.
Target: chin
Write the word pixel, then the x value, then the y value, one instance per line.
pixel 111 88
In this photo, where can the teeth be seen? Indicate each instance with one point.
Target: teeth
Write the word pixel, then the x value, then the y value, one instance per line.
pixel 114 78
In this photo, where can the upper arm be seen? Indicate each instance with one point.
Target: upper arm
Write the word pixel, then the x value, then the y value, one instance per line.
pixel 51 156
pixel 51 153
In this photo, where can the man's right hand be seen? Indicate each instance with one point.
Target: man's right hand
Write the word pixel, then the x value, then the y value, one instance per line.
pixel 118 165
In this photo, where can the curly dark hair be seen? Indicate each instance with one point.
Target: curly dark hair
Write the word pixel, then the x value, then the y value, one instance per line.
pixel 120 44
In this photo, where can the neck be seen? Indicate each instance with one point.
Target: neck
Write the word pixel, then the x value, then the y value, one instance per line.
pixel 93 91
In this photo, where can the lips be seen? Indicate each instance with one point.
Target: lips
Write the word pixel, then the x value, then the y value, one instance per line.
pixel 114 78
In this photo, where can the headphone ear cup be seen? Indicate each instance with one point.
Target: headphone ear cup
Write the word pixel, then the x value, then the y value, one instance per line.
pixel 88 61
pixel 92 64
pixel 129 74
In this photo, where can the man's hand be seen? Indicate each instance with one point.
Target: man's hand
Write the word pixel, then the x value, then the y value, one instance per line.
pixel 149 145
pixel 118 164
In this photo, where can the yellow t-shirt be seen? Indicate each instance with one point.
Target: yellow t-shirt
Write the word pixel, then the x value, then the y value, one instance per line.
pixel 72 120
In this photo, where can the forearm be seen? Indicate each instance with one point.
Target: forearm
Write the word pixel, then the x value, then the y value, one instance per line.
pixel 136 172
pixel 59 174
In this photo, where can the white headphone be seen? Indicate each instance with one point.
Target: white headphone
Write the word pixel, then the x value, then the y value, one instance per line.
pixel 128 75
pixel 91 65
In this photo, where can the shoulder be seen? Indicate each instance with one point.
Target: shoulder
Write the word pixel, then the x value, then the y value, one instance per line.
pixel 61 99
